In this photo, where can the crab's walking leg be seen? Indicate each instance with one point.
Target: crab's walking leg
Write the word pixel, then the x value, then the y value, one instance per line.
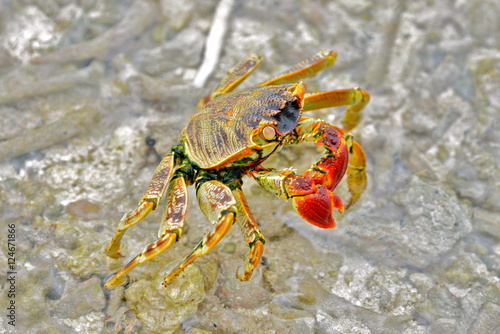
pixel 356 173
pixel 233 78
pixel 305 69
pixel 237 74
pixel 253 236
pixel 148 202
pixel 219 206
pixel 170 230
pixel 355 98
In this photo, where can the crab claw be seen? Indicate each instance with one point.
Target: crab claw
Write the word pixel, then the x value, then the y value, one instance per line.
pixel 317 207
pixel 312 193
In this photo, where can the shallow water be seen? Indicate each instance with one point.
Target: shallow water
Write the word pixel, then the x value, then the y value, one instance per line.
pixel 83 84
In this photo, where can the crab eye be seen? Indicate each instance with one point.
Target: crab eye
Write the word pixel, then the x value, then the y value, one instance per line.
pixel 288 117
pixel 268 132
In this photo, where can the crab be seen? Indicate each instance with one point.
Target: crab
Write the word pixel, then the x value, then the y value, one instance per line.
pixel 232 133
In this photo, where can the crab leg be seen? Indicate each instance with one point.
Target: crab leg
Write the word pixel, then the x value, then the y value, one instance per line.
pixel 312 192
pixel 148 203
pixel 219 206
pixel 170 230
pixel 233 78
pixel 237 74
pixel 305 69
pixel 253 235
pixel 356 174
pixel 355 98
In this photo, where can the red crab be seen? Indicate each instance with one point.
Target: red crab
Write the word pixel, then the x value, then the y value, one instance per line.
pixel 232 133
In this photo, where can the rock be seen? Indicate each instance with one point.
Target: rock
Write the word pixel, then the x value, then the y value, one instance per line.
pixel 439 303
pixel 445 326
pixel 427 224
pixel 488 320
pixel 84 298
pixel 84 208
pixel 162 309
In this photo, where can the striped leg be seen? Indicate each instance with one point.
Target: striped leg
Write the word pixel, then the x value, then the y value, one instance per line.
pixel 356 174
pixel 170 230
pixel 237 74
pixel 219 206
pixel 305 69
pixel 148 203
pixel 233 78
pixel 253 236
pixel 355 98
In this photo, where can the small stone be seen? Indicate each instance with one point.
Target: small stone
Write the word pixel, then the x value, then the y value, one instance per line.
pixel 84 208
pixel 87 260
pixel 433 223
pixel 56 288
pixel 465 270
pixel 440 303
pixel 423 282
pixel 236 294
pixel 85 298
pixel 445 326
pixel 162 309
pixel 123 321
pixel 488 320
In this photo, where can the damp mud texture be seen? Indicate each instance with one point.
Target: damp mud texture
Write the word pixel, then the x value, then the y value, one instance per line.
pixel 85 84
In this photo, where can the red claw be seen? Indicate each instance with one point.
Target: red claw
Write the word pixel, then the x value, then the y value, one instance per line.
pixel 312 193
pixel 317 207
pixel 330 169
